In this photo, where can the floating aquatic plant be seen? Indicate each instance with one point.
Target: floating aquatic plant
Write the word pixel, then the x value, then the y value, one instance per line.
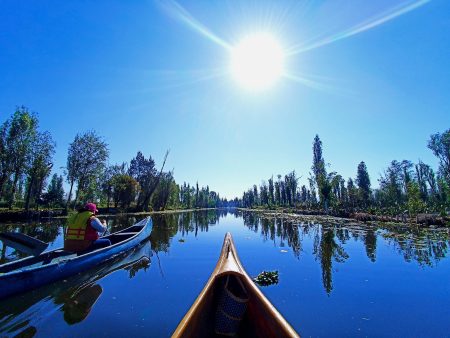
pixel 266 278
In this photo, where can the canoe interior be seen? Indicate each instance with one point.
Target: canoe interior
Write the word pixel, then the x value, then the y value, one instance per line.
pixel 256 322
pixel 60 254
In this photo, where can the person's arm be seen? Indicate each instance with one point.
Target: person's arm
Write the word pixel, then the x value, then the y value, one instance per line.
pixel 97 225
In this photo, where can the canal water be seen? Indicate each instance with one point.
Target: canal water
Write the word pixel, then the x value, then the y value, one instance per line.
pixel 335 280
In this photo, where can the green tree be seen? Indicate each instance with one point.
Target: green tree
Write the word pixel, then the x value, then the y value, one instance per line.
pixel 325 189
pixel 144 171
pixel 125 190
pixel 86 161
pixel 20 137
pixel 312 189
pixel 440 145
pixel 107 179
pixel 42 151
pixel 264 193
pixel 337 182
pixel 278 191
pixel 255 195
pixel 363 182
pixel 318 166
pixel 55 192
pixel 443 195
pixel 291 182
pixel 166 189
pixel 391 193
pixel 352 193
pixel 271 191
pixel 323 181
pixel 415 203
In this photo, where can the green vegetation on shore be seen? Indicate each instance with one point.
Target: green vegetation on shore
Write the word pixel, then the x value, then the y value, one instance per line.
pixel 405 189
pixel 26 163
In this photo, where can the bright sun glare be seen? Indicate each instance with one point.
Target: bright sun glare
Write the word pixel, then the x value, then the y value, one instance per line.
pixel 257 61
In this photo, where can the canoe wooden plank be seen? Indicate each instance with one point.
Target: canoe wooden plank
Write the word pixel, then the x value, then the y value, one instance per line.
pixel 265 320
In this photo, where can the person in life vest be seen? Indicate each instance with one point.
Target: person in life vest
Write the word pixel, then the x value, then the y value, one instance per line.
pixel 83 230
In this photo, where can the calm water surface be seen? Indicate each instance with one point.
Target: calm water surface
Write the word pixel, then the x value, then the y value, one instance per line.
pixel 336 280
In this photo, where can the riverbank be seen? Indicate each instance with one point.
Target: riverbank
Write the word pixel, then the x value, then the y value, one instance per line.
pixel 421 220
pixel 36 215
pixel 292 214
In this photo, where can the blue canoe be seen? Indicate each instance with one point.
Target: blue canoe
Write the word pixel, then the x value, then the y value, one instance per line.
pixel 31 272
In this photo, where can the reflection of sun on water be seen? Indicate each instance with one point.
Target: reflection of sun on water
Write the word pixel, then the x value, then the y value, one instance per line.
pixel 257 61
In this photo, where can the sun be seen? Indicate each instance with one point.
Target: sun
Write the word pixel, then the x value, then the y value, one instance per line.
pixel 257 61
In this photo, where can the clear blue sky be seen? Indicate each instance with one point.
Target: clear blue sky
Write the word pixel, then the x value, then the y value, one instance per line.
pixel 152 75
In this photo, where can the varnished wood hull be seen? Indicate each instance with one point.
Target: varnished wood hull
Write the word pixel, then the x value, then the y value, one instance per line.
pixel 261 318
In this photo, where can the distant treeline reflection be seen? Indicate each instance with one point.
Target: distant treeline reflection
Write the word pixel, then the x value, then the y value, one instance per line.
pixel 426 247
pixel 166 226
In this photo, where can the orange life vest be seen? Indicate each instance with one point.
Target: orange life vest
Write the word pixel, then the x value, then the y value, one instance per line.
pixel 79 227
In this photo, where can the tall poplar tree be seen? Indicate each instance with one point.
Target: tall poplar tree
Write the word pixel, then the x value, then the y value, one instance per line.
pixel 363 182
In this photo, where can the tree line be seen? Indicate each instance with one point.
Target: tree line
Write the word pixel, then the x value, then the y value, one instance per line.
pixel 404 186
pixel 26 162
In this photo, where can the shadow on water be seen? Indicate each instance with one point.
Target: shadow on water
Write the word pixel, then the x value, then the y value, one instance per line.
pixel 74 297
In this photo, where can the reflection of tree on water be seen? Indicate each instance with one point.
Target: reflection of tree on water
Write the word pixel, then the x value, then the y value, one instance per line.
pixel 166 226
pixel 326 249
pixel 122 221
pixel 370 242
pixel 425 246
pixel 273 228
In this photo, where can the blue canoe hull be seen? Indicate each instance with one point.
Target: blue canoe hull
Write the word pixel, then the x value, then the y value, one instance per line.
pixel 32 272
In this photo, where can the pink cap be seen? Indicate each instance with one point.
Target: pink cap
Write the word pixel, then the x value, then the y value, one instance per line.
pixel 91 207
